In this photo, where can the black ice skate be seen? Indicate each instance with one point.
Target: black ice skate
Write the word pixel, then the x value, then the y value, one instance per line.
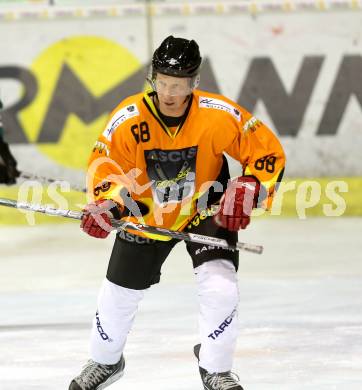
pixel 219 380
pixel 96 376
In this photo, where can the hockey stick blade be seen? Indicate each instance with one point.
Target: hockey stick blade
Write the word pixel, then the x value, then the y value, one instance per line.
pixel 131 226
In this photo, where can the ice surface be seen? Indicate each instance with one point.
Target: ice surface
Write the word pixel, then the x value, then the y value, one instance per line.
pixel 300 311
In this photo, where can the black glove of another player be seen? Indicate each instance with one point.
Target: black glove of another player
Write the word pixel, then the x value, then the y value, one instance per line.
pixel 8 171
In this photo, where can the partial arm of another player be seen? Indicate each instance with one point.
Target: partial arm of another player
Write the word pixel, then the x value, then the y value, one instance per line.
pixel 263 160
pixel 8 171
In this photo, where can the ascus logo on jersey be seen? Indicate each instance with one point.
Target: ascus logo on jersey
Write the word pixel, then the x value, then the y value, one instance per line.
pixel 172 173
pixel 119 117
pixel 218 104
pixel 134 238
pixel 100 330
pixel 172 155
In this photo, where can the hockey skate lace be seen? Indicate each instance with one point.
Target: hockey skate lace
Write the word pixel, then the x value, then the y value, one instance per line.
pixel 224 381
pixel 93 373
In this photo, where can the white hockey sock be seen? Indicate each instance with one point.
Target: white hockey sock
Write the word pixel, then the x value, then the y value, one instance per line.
pixel 218 295
pixel 117 307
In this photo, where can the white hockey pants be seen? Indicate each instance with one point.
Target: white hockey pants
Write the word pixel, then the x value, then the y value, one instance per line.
pixel 218 295
pixel 218 299
pixel 117 307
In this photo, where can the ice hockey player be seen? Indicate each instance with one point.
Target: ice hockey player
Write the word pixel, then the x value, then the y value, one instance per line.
pixel 164 149
pixel 8 171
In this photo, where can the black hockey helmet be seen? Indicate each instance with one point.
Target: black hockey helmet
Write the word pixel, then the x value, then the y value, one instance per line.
pixel 177 57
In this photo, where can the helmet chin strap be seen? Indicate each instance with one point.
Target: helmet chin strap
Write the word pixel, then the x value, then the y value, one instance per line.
pixel 187 98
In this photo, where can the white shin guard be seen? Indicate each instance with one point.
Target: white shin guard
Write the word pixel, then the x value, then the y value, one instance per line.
pixel 218 295
pixel 117 307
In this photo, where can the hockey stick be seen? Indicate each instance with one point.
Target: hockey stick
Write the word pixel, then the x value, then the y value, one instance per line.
pixel 43 179
pixel 125 225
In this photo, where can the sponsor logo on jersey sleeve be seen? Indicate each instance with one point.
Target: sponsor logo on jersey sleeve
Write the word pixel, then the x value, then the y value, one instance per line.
pixel 103 187
pixel 101 148
pixel 252 124
pixel 119 117
pixel 205 102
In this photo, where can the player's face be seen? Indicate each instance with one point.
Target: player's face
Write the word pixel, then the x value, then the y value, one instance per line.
pixel 172 93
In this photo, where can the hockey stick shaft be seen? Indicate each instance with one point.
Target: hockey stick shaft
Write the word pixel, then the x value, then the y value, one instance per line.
pixel 126 225
pixel 44 179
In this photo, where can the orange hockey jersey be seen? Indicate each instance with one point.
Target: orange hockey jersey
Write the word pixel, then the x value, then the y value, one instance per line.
pixel 138 157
